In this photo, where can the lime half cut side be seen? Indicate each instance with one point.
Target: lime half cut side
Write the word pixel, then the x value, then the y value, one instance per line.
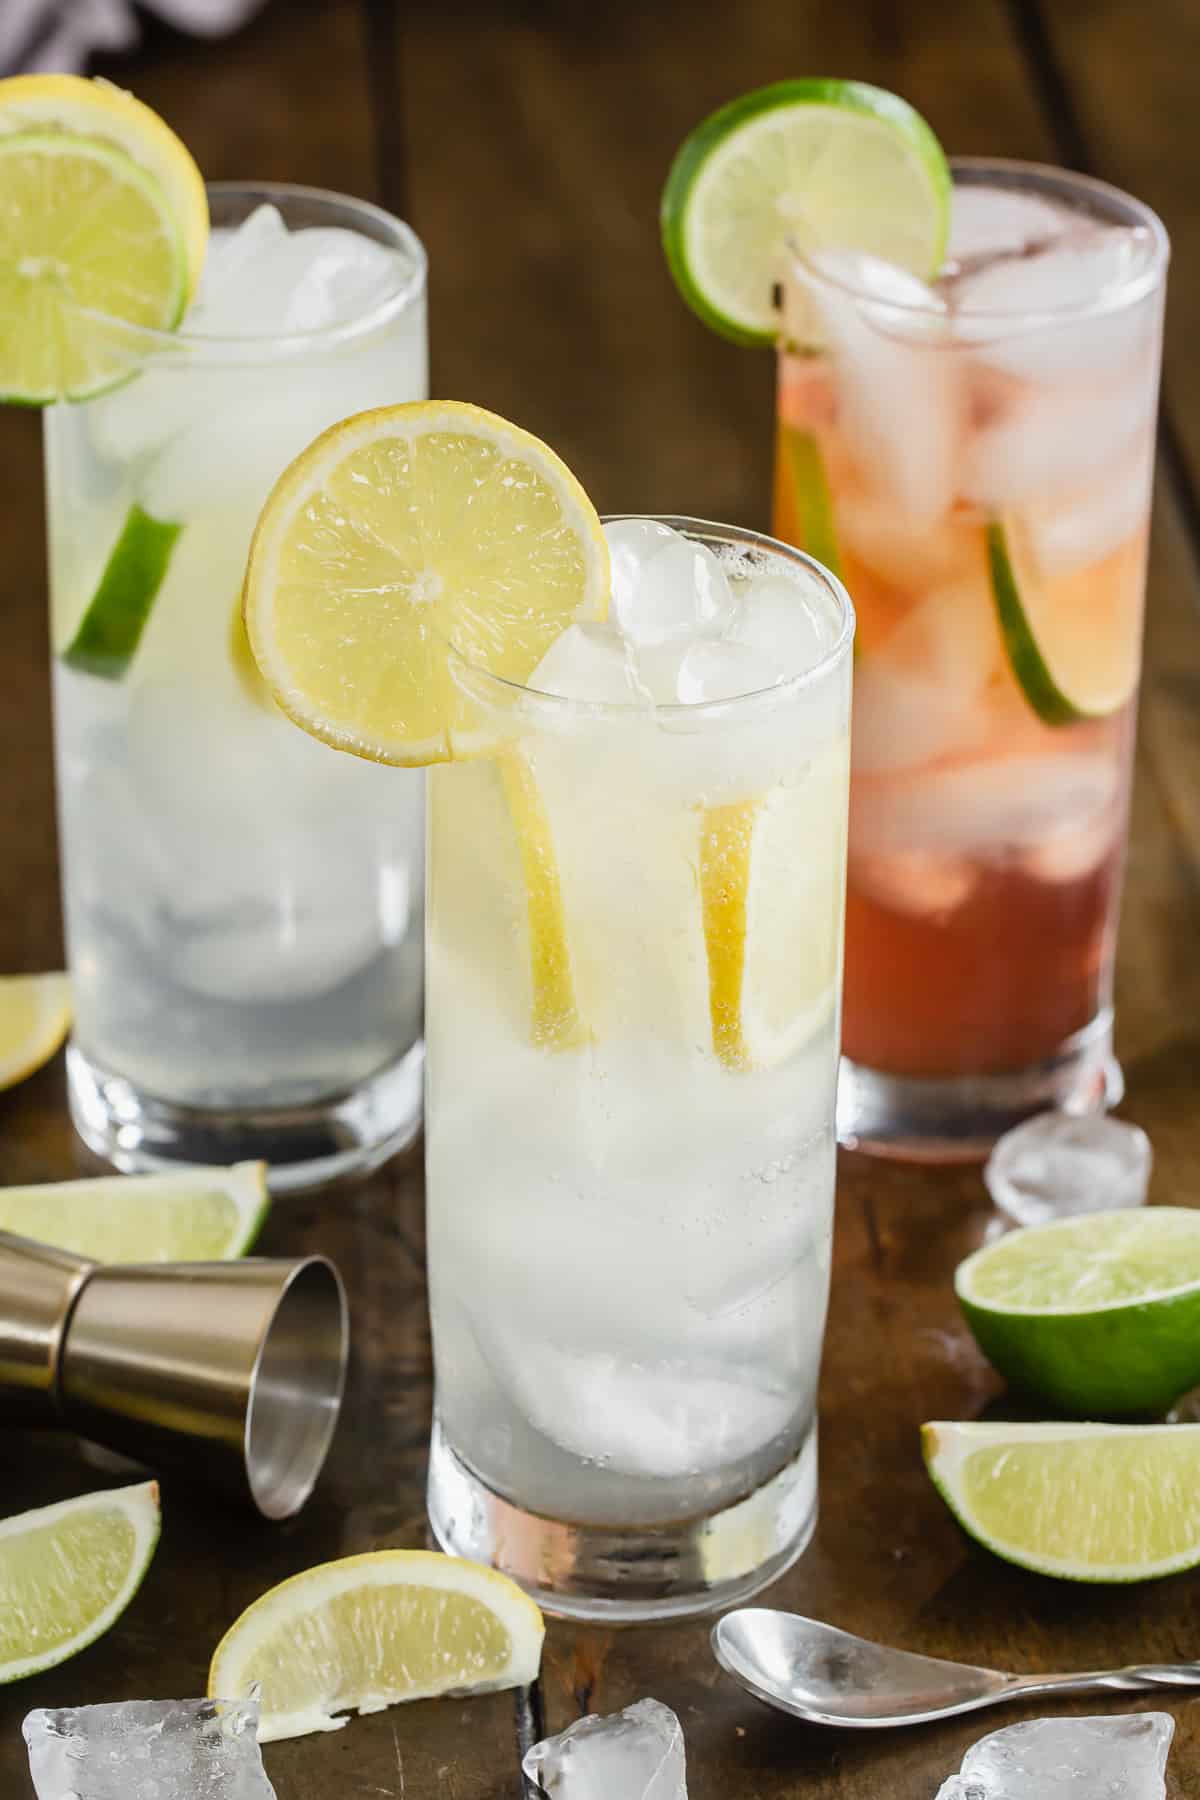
pixel 1098 1314
pixel 197 1215
pixel 809 163
pixel 1083 1502
pixel 68 1572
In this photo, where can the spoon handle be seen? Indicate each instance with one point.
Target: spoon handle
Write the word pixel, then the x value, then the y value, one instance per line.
pixel 1138 1676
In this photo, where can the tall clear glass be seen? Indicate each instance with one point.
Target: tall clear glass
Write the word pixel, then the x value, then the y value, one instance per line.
pixel 635 930
pixel 980 477
pixel 244 907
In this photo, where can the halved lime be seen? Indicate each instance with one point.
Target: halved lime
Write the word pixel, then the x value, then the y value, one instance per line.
pixel 111 628
pixel 1086 1502
pixel 198 1215
pixel 812 162
pixel 1098 1314
pixel 68 1572
pixel 1073 639
pixel 103 217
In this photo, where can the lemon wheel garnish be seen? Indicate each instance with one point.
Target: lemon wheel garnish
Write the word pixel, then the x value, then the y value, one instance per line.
pixel 401 538
pixel 35 1015
pixel 103 216
pixel 368 1631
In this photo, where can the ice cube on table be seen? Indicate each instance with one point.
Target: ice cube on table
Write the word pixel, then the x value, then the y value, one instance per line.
pixel 1058 1164
pixel 1118 1758
pixel 637 1754
pixel 148 1750
pixel 664 586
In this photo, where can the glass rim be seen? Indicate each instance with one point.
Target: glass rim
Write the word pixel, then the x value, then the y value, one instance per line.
pixel 1065 183
pixel 757 700
pixel 268 346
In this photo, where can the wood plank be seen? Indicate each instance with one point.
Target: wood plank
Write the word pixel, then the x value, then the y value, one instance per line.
pixel 1124 80
pixel 538 137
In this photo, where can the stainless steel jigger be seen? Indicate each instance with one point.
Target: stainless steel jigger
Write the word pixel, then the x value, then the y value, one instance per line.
pixel 231 1372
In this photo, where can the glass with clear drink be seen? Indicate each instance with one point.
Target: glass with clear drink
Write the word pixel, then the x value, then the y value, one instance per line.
pixel 243 905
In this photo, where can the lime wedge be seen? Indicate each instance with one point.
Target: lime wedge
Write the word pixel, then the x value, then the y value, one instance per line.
pixel 111 628
pixel 198 1215
pixel 809 163
pixel 368 1631
pixel 804 497
pixel 1099 1314
pixel 1086 1502
pixel 1073 639
pixel 68 1572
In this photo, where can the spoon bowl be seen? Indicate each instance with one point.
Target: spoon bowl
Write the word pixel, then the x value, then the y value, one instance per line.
pixel 830 1677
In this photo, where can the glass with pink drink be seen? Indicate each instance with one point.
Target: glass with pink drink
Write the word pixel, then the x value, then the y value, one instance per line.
pixel 971 449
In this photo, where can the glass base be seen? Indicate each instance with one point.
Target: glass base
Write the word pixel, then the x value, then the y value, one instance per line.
pixel 623 1575
pixel 958 1119
pixel 303 1146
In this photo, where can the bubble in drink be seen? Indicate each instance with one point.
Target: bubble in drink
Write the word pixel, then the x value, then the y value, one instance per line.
pixel 1122 1758
pixel 637 1754
pixel 1059 1164
pixel 148 1750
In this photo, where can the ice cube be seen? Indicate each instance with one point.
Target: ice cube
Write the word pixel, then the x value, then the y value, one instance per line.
pixel 919 696
pixel 148 1750
pixel 1083 272
pixel 232 256
pixel 987 809
pixel 1116 1758
pixel 637 1754
pixel 664 585
pixel 774 617
pixel 664 1417
pixel 1058 1164
pixel 1058 435
pixel 900 396
pixel 986 222
pixel 587 662
pixel 717 669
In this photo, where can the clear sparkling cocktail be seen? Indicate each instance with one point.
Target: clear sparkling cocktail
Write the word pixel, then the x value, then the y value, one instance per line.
pixel 636 888
pixel 243 906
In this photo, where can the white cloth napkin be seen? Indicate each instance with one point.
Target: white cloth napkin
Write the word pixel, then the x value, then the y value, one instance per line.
pixel 63 34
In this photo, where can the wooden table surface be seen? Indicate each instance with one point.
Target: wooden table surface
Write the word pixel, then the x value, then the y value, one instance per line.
pixel 527 140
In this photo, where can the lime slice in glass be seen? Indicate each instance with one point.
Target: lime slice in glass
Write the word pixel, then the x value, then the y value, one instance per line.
pixel 811 163
pixel 110 630
pixel 68 1572
pixel 1085 1502
pixel 1073 640
pixel 1097 1314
